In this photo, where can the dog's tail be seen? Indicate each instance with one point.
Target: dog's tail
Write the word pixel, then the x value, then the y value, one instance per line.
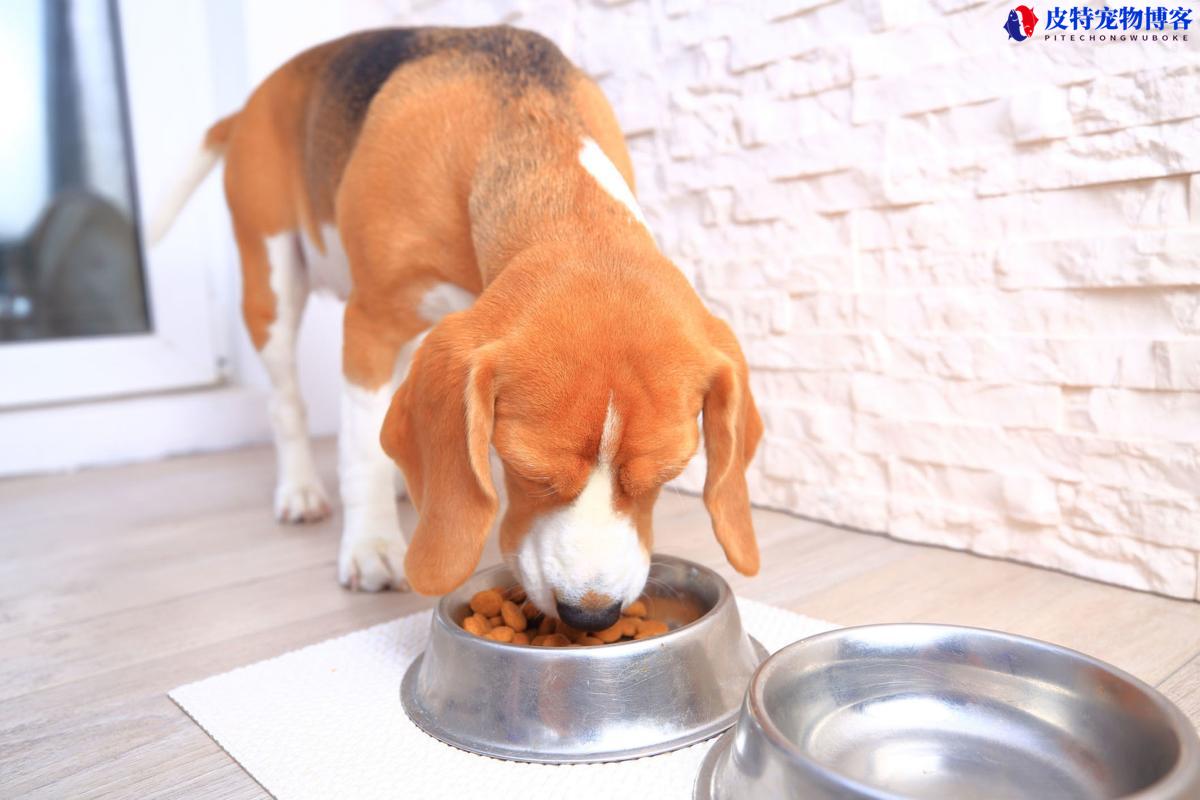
pixel 210 152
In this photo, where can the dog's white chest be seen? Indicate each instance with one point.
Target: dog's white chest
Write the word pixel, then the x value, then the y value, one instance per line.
pixel 330 270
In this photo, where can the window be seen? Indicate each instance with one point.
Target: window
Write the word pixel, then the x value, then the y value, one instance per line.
pixel 70 263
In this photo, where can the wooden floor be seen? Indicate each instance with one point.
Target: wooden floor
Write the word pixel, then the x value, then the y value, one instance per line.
pixel 117 585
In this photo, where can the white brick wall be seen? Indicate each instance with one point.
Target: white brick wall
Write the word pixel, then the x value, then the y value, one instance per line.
pixel 966 272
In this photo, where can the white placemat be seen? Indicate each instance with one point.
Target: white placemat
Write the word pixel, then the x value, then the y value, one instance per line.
pixel 326 722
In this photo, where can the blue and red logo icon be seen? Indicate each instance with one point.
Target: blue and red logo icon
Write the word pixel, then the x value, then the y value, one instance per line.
pixel 1021 22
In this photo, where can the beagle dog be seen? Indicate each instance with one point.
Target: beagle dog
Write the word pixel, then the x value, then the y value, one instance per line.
pixel 471 186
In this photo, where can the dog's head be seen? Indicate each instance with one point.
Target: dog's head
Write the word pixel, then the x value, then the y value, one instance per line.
pixel 591 397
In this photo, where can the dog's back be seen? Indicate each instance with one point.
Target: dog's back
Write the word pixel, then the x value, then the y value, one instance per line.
pixel 444 100
pixel 441 78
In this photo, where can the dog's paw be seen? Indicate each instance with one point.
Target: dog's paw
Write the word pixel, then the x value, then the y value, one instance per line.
pixel 301 502
pixel 372 563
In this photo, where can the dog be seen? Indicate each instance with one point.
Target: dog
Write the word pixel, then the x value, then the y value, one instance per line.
pixel 469 189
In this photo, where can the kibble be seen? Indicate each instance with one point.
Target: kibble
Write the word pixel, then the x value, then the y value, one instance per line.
pixel 647 628
pixel 513 617
pixel 502 633
pixel 566 630
pixel 611 634
pixel 509 616
pixel 487 602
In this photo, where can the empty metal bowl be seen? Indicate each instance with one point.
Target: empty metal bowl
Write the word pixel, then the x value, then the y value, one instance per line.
pixel 932 711
pixel 584 704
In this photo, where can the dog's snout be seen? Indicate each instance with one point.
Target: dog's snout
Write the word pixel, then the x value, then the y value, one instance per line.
pixel 587 618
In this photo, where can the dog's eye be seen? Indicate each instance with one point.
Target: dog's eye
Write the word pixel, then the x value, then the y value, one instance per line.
pixel 643 474
pixel 534 486
pixel 561 480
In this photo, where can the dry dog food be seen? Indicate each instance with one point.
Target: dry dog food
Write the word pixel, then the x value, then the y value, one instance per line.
pixel 507 616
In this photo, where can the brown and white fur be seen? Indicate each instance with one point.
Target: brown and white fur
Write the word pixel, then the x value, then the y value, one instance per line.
pixel 472 186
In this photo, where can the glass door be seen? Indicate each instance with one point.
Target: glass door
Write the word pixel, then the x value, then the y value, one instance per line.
pixel 97 98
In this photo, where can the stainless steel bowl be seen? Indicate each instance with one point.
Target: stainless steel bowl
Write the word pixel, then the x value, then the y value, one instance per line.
pixel 585 704
pixel 931 711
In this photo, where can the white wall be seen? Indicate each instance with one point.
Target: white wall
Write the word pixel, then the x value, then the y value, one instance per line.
pixel 964 270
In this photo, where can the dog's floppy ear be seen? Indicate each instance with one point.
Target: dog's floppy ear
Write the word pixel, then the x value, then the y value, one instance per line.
pixel 438 429
pixel 732 429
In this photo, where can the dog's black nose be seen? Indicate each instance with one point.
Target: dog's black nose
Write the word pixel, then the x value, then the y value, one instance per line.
pixel 589 619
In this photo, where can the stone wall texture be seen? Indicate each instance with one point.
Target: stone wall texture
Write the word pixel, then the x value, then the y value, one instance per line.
pixel 965 271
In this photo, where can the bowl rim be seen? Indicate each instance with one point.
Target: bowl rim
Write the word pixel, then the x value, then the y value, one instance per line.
pixel 1183 775
pixel 442 617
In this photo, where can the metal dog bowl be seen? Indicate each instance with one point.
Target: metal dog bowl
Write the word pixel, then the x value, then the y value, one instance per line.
pixel 931 711
pixel 584 704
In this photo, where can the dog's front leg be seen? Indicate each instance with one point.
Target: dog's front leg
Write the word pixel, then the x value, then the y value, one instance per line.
pixel 371 556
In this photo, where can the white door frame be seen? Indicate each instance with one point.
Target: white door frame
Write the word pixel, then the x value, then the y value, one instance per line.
pixel 172 101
